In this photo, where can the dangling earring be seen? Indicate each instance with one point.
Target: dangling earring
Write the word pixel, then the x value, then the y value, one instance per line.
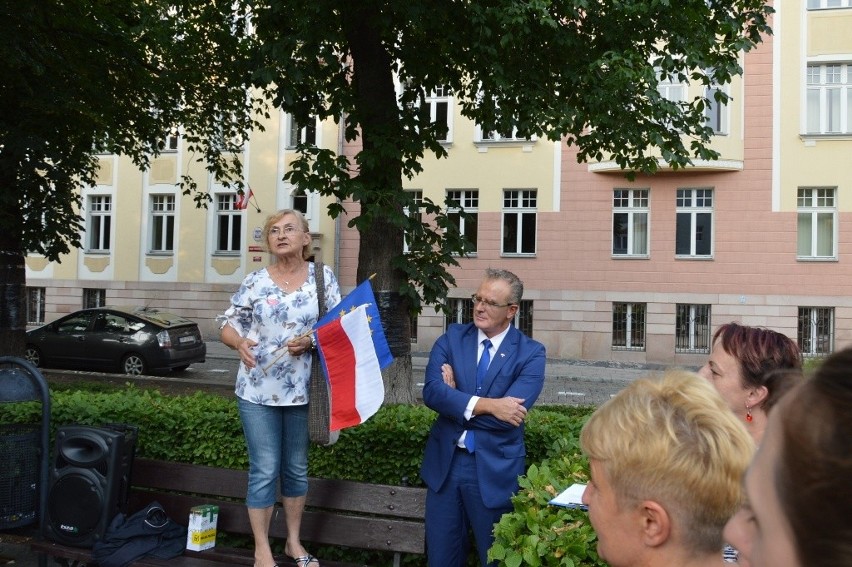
pixel 748 413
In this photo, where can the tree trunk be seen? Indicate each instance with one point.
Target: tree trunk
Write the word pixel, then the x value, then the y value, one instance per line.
pixel 13 306
pixel 381 173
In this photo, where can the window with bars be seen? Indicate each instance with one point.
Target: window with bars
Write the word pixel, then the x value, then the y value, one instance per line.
pixel 162 223
pixel 468 201
pixel 94 298
pixel 817 212
pixel 99 223
pixel 35 305
pixel 630 213
pixel 229 227
pixel 461 311
pixel 628 326
pixel 694 223
pixel 692 328
pixel 519 221
pixel 815 332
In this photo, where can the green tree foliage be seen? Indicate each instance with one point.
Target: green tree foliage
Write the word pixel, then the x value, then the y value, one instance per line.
pixel 81 76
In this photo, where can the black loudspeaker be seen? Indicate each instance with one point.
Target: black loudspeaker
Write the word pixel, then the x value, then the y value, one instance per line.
pixel 89 482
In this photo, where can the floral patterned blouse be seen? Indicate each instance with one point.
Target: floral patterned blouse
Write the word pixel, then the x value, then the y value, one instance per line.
pixel 265 313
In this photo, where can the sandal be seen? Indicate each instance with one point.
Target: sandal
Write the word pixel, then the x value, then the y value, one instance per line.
pixel 306 561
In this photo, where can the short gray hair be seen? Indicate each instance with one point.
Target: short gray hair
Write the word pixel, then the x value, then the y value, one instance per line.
pixel 516 286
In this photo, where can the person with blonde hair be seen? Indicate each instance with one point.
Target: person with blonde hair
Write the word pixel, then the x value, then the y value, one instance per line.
pixel 268 323
pixel 666 458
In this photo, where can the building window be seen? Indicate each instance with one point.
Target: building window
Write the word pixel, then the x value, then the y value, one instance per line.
pixel 694 231
pixel 94 298
pixel 630 222
pixel 99 223
pixel 829 99
pixel 822 4
pixel 170 142
pixel 301 134
pixel 519 221
pixel 440 104
pixel 466 200
pixel 35 305
pixel 229 224
pixel 692 328
pixel 716 113
pixel 628 326
pixel 461 311
pixel 414 213
pixel 670 89
pixel 817 212
pixel 413 326
pixel 816 330
pixel 458 311
pixel 162 223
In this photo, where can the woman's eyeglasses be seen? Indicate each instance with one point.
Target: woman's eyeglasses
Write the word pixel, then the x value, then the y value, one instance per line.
pixel 289 230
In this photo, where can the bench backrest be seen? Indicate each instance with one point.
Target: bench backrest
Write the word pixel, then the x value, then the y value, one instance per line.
pixel 338 512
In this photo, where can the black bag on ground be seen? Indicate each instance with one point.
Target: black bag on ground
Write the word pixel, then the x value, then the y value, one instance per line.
pixel 148 532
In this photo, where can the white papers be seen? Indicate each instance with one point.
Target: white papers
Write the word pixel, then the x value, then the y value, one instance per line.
pixel 571 497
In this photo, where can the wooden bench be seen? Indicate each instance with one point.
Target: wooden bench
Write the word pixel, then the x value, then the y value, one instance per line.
pixel 338 512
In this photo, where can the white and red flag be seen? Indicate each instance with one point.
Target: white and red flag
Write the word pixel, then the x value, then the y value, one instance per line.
pixel 243 200
pixel 348 350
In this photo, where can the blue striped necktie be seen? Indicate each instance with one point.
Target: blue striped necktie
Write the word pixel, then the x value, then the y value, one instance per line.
pixel 481 369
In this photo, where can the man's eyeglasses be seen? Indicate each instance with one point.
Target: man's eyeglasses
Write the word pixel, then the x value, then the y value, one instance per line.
pixel 488 303
pixel 289 230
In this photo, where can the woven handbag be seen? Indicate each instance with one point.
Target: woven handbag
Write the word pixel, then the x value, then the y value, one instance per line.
pixel 319 406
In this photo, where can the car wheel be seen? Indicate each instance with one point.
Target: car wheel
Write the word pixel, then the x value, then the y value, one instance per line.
pixel 133 364
pixel 181 368
pixel 32 355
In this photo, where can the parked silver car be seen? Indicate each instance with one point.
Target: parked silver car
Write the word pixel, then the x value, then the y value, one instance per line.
pixel 130 340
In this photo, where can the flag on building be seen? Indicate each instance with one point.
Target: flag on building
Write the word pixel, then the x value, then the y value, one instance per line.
pixel 243 200
pixel 353 350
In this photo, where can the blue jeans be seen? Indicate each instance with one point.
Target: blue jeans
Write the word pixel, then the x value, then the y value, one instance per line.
pixel 277 440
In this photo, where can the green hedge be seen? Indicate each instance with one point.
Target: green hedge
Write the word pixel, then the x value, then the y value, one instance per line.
pixel 205 429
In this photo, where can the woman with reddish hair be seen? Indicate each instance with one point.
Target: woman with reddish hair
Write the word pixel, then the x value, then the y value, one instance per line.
pixel 752 367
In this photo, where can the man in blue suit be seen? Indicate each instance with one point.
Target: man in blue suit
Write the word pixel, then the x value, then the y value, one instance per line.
pixel 482 378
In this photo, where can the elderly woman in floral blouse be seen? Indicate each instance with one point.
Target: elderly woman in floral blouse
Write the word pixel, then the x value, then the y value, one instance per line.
pixel 268 324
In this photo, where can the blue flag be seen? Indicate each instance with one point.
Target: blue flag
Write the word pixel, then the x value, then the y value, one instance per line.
pixel 363 295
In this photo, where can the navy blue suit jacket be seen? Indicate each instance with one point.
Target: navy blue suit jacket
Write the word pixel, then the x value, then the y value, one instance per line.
pixel 516 370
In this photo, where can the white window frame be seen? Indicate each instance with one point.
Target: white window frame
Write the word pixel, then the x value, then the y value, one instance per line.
pixel 717 114
pixel 35 305
pixel 162 220
pixel 172 140
pixel 520 206
pixel 632 317
pixel 441 96
pixel 693 203
pixel 828 99
pixel 417 197
pixel 634 205
pixel 692 321
pixel 229 219
pixel 99 223
pixel 297 134
pixel 828 4
pixel 815 331
pixel 468 200
pixel 816 206
pixel 93 297
pixel 671 90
